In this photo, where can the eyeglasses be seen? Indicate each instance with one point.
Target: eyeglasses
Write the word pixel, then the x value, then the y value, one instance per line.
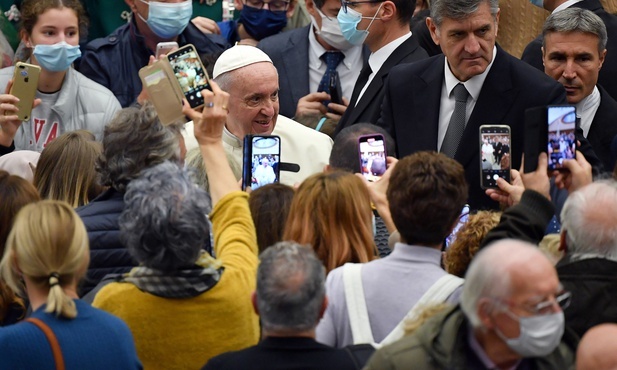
pixel 562 299
pixel 273 5
pixel 345 3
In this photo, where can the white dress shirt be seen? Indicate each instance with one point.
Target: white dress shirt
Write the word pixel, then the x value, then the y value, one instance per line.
pixel 586 109
pixel 566 5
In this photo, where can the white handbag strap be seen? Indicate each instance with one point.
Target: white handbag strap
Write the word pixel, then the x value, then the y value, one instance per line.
pixel 437 293
pixel 356 304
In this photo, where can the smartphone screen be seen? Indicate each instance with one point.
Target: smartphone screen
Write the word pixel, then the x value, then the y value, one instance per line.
pixel 190 73
pixel 462 220
pixel 561 135
pixel 494 154
pixel 372 150
pixel 262 155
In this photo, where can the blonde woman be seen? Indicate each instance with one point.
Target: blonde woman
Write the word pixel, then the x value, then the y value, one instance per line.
pixel 46 255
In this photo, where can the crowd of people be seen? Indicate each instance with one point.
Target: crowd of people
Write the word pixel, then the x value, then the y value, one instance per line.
pixel 127 243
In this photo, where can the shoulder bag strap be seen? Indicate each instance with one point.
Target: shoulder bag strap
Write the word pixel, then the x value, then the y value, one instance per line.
pixel 53 341
pixel 356 304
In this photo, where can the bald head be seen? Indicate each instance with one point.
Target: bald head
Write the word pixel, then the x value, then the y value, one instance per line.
pixel 598 349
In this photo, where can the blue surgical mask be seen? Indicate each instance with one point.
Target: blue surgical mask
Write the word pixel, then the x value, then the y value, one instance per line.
pixel 349 22
pixel 538 3
pixel 261 23
pixel 168 20
pixel 57 57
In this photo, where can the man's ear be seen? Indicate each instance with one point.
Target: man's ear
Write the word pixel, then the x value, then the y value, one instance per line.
pixel 131 4
pixel 238 4
pixel 388 11
pixel 254 302
pixel 311 8
pixel 602 57
pixel 497 22
pixel 485 306
pixel 291 8
pixel 432 27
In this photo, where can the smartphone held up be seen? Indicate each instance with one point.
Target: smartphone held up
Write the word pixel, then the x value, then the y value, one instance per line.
pixel 372 153
pixel 494 155
pixel 261 159
pixel 562 145
pixel 25 82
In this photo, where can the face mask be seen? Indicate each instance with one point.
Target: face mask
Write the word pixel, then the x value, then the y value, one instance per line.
pixel 540 335
pixel 349 21
pixel 261 23
pixel 168 20
pixel 330 32
pixel 57 57
pixel 538 3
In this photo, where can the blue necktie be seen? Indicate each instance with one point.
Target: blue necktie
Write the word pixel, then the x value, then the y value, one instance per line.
pixel 332 59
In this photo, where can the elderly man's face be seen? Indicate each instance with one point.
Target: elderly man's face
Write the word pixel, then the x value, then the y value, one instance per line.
pixel 536 286
pixel 467 43
pixel 254 100
pixel 574 60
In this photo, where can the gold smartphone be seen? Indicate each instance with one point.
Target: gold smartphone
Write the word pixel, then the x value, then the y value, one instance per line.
pixel 25 83
pixel 163 91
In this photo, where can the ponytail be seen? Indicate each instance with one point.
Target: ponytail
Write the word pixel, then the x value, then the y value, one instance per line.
pixel 57 301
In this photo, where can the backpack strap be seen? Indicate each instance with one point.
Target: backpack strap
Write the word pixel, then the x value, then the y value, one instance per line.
pixel 437 293
pixel 51 338
pixel 356 304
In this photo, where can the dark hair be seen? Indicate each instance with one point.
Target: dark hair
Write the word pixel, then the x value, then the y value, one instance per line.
pixel 576 20
pixel 426 193
pixel 344 154
pixel 164 224
pixel 270 206
pixel 133 141
pixel 32 9
pixel 404 9
pixel 290 287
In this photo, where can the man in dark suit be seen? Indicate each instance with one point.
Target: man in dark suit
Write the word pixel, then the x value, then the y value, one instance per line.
pixel 300 58
pixel 385 25
pixel 608 75
pixel 421 111
pixel 574 50
pixel 290 299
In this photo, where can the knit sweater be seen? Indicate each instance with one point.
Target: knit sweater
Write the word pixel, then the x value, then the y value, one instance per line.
pixel 93 340
pixel 185 333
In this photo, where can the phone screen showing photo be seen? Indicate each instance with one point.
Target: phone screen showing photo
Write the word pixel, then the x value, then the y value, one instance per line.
pixel 191 75
pixel 372 157
pixel 561 135
pixel 266 156
pixel 495 150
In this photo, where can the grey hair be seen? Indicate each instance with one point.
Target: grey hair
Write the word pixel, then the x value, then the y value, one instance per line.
pixel 224 80
pixel 290 287
pixel 489 274
pixel 459 9
pixel 164 224
pixel 133 141
pixel 195 162
pixel 588 219
pixel 576 20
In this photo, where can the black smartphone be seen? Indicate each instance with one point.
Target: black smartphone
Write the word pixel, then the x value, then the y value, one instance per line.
pixel 261 159
pixel 561 122
pixel 336 94
pixel 190 73
pixel 494 155
pixel 372 153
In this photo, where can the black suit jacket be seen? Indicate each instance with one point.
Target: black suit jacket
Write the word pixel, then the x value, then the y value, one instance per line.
pixel 368 108
pixel 289 52
pixel 285 353
pixel 608 73
pixel 604 129
pixel 411 110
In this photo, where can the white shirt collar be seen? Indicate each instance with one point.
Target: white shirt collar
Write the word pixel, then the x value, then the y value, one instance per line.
pixel 566 5
pixel 474 84
pixel 316 50
pixel 378 58
pixel 586 109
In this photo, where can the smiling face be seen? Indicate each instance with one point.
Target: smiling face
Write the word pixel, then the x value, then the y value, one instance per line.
pixel 574 60
pixel 467 43
pixel 254 103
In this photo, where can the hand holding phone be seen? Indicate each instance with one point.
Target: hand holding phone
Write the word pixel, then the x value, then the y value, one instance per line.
pixel 372 153
pixel 190 74
pixel 261 160
pixel 25 84
pixel 494 155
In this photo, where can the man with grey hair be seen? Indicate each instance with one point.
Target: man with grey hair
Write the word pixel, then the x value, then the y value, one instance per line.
pixel 439 103
pixel 250 78
pixel 574 50
pixel 290 299
pixel 510 317
pixel 533 50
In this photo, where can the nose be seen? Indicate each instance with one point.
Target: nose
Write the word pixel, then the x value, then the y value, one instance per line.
pixel 266 6
pixel 472 45
pixel 569 71
pixel 267 108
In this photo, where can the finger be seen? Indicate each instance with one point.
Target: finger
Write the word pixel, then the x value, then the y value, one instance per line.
pixel 6 107
pixel 8 86
pixel 345 101
pixel 191 113
pixel 337 108
pixel 580 158
pixel 333 116
pixel 36 103
pixel 542 162
pixel 152 59
pixel 504 185
pixel 391 161
pixel 9 118
pixel 216 29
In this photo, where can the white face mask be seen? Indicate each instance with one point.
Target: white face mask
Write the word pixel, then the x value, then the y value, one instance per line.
pixel 539 336
pixel 330 32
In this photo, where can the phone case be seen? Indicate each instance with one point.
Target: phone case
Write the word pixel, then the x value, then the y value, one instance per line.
pixel 504 173
pixel 195 100
pixel 25 82
pixel 163 91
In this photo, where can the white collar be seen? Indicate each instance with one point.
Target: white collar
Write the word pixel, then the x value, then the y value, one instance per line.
pixel 316 50
pixel 474 84
pixel 378 58
pixel 566 5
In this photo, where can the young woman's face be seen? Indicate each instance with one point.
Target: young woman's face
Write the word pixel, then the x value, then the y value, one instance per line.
pixel 54 26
